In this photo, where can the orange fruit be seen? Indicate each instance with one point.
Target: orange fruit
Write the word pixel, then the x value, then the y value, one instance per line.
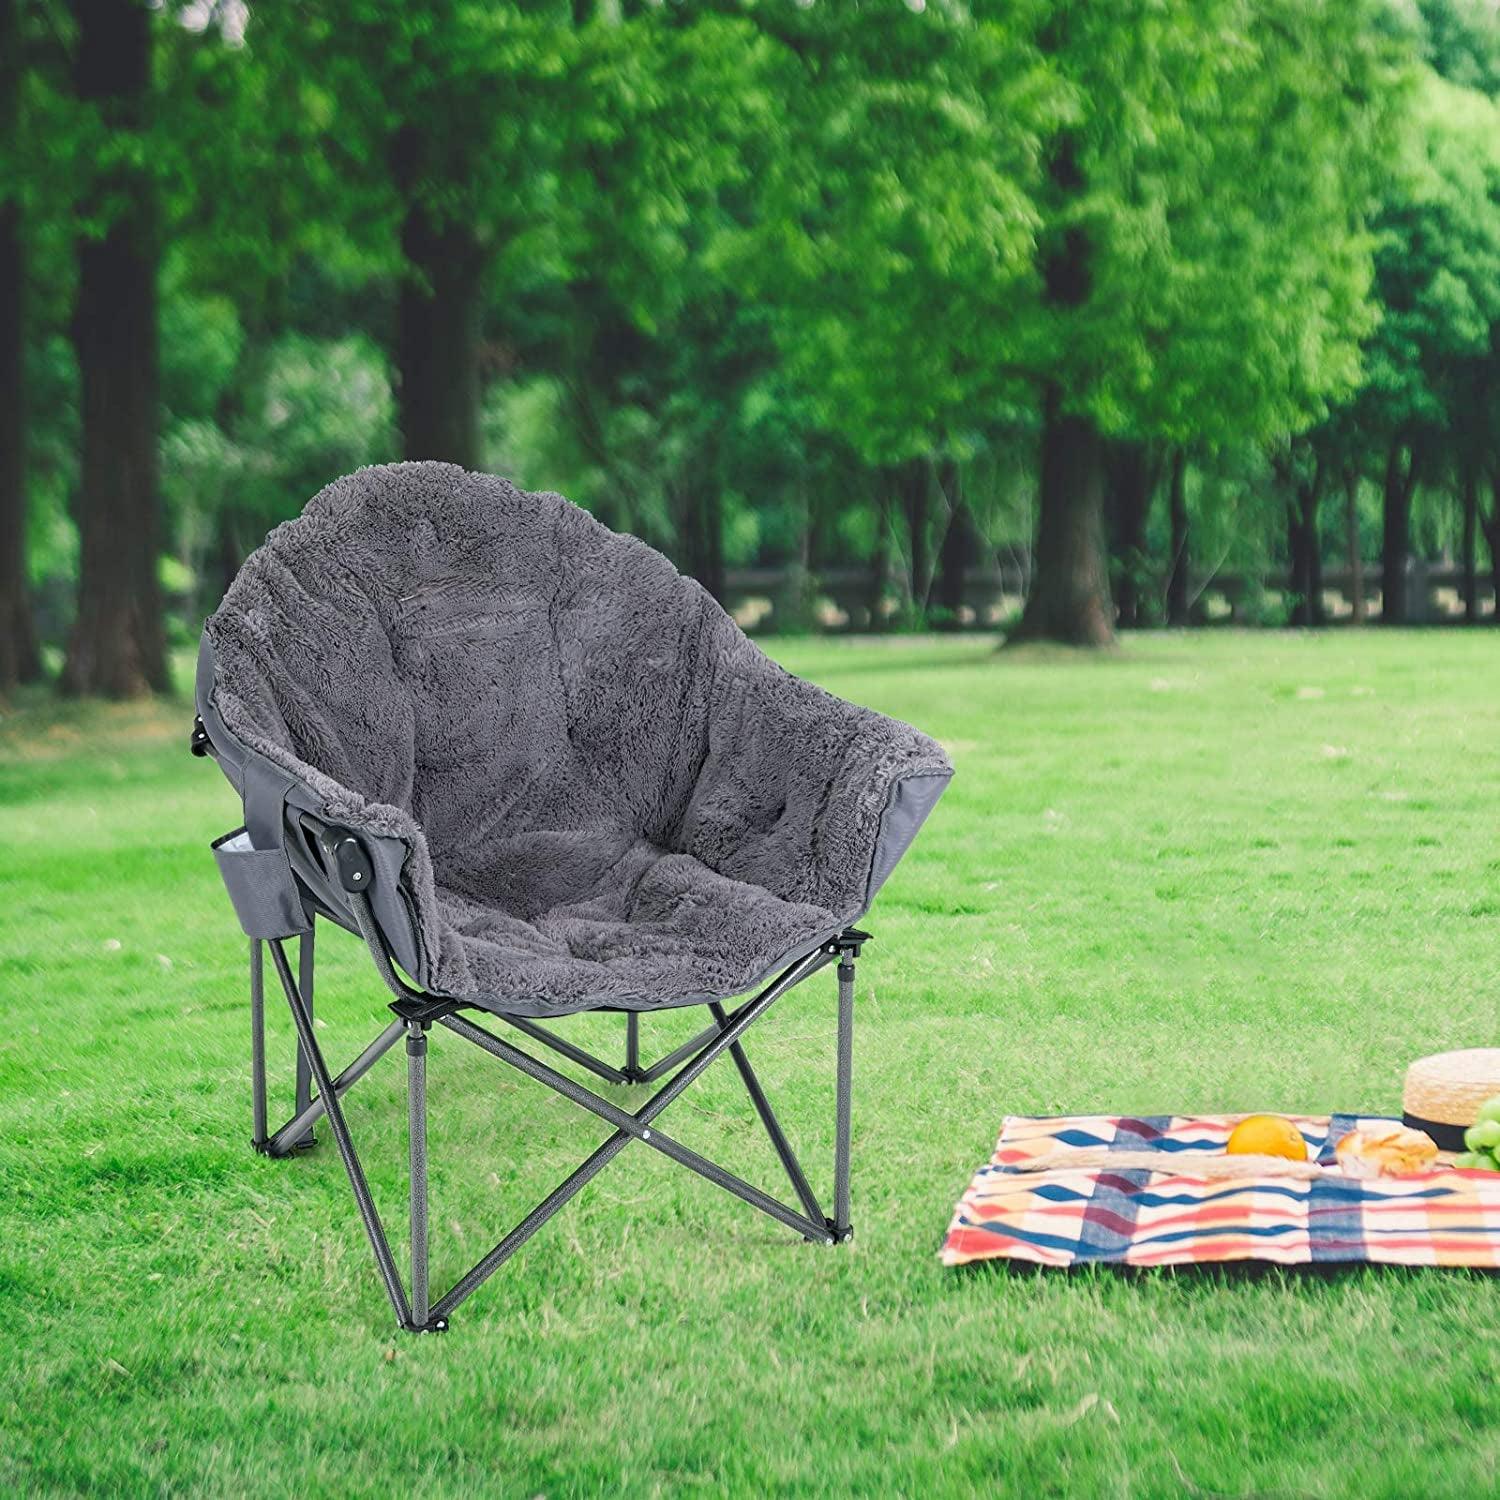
pixel 1267 1135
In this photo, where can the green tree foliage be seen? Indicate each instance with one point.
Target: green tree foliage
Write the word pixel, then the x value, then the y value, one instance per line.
pixel 19 658
pixel 1128 212
pixel 1438 284
pixel 899 221
pixel 430 133
pixel 660 349
pixel 1202 272
pixel 896 287
pixel 1460 39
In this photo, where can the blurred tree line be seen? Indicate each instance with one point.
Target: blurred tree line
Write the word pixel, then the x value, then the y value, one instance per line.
pixel 1127 294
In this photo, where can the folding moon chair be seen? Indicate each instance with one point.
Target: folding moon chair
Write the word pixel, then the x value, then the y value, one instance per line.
pixel 538 772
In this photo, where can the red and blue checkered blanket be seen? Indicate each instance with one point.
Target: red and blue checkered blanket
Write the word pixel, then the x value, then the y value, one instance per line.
pixel 1139 1216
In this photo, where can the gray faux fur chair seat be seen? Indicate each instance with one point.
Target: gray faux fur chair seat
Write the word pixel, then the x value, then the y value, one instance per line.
pixel 601 794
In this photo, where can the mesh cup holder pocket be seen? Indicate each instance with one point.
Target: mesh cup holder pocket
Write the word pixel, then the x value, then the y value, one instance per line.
pixel 261 886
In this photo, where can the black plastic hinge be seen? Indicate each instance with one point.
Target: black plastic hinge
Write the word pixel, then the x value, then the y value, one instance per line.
pixel 350 861
pixel 848 943
pixel 199 743
pixel 423 1010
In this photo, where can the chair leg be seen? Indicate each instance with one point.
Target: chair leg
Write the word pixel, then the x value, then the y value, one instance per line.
pixel 842 1228
pixel 566 1049
pixel 335 1116
pixel 258 1044
pixel 794 1172
pixel 633 1046
pixel 297 1133
pixel 629 1127
pixel 813 1230
pixel 422 1313
pixel 305 966
pixel 664 1065
pixel 416 1120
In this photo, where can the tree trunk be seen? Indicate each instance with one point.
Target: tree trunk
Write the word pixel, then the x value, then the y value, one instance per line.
pixel 959 551
pixel 19 659
pixel 1471 543
pixel 880 553
pixel 700 532
pixel 1296 547
pixel 227 554
pixel 118 645
pixel 437 340
pixel 1130 484
pixel 1069 599
pixel 1354 556
pixel 793 607
pixel 1400 484
pixel 1315 612
pixel 1491 524
pixel 1179 593
pixel 1302 502
pixel 916 506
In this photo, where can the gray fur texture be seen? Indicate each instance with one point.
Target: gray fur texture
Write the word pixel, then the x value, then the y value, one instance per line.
pixel 611 796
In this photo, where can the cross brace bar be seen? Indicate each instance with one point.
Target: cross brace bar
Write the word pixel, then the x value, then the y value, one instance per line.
pixel 374 1229
pixel 631 1125
pixel 288 1138
pixel 421 1314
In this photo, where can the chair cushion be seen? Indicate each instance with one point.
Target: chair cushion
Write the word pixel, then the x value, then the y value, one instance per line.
pixel 609 795
pixel 657 926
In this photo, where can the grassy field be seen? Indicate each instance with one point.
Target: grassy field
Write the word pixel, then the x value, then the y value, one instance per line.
pixel 1219 872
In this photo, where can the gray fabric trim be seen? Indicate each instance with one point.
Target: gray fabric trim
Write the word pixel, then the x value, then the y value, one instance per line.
pixel 264 788
pixel 911 799
pixel 264 867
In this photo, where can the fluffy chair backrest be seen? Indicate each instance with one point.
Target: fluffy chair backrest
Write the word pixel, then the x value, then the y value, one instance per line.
pixel 525 697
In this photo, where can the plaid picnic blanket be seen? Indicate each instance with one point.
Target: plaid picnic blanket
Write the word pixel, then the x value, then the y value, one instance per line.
pixel 1143 1217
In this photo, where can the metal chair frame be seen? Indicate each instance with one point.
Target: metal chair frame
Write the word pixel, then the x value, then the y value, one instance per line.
pixel 318 1096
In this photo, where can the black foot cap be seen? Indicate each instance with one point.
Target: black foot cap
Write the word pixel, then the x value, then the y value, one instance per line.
pixel 432 1325
pixel 840 1236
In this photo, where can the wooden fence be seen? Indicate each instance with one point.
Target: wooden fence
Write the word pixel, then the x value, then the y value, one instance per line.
pixel 767 599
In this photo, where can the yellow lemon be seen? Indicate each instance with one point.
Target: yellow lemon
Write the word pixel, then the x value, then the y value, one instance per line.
pixel 1267 1135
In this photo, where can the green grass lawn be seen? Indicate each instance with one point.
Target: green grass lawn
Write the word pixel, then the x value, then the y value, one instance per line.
pixel 1219 872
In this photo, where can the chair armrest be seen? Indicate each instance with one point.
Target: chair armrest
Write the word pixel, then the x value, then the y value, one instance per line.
pixel 402 892
pixel 808 796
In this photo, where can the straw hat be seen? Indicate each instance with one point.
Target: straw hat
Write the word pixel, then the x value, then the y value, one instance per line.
pixel 1443 1092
